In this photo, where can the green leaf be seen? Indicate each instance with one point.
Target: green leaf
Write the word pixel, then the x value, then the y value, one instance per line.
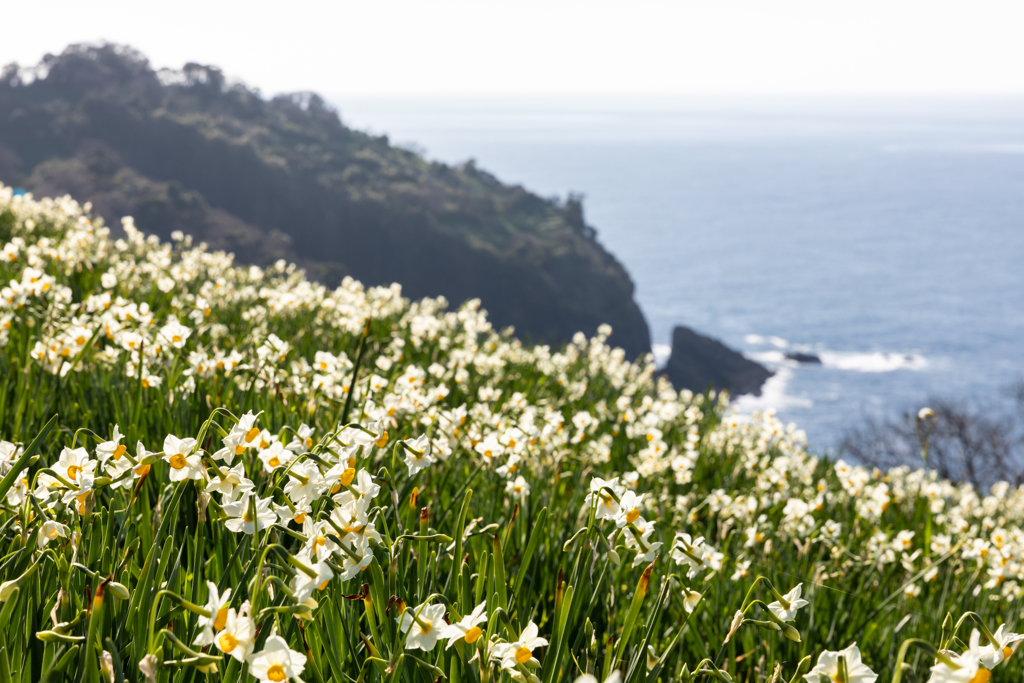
pixel 23 462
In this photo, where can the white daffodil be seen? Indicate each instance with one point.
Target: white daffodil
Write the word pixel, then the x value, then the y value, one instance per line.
pixel 520 651
pixel 607 506
pixel 795 602
pixel 630 507
pixel 466 628
pixel 299 512
pixel 969 668
pixel 174 333
pixel 51 531
pixel 490 448
pixel 303 584
pixel 305 481
pixel 81 494
pixel 1003 647
pixel 364 486
pixel 276 662
pixel 184 463
pixel 828 666
pixel 274 456
pixel 113 448
pixel 242 518
pixel 418 454
pixel 303 440
pixel 231 484
pixel 237 636
pixel 355 561
pixel 613 677
pixel 217 605
pixel 423 626
pixel 690 600
pixel 518 488
pixel 73 462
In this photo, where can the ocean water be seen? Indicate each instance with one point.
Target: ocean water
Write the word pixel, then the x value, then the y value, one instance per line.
pixel 884 235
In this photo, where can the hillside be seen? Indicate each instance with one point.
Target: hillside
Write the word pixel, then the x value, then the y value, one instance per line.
pixel 285 178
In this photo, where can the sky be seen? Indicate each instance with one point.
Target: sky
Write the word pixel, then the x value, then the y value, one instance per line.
pixel 552 47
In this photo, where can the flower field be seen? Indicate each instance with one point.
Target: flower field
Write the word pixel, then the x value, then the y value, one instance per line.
pixel 224 473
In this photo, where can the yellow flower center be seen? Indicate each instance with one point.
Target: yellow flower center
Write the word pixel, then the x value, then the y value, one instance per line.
pixel 347 476
pixel 309 442
pixel 523 654
pixel 1007 652
pixel 276 673
pixel 511 443
pixel 142 470
pixel 145 382
pixel 221 619
pixel 321 540
pixel 251 434
pixel 274 461
pixel 473 634
pixel 176 338
pixel 981 677
pixel 247 517
pixel 239 449
pixel 264 444
pixel 177 461
pixel 300 518
pixel 324 584
pixel 73 471
pixel 382 440
pixel 632 516
pixel 119 451
pixel 80 341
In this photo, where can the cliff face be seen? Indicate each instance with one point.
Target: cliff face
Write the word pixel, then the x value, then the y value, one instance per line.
pixel 284 178
pixel 698 361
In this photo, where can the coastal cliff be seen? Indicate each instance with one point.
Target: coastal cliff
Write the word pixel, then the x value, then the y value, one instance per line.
pixel 285 178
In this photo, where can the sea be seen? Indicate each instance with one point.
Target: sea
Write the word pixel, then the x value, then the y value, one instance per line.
pixel 884 235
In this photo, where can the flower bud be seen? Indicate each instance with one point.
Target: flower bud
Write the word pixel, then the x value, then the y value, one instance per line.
pixel 791 633
pixel 118 590
pixel 7 589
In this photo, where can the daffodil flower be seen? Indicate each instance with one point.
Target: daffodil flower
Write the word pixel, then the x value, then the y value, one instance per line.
pixel 967 667
pixel 242 518
pixel 237 636
pixel 828 666
pixel 466 628
pixel 276 662
pixel 418 454
pixel 111 449
pixel 184 463
pixel 521 651
pixel 786 611
pixel 423 626
pixel 1002 647
pixel 217 605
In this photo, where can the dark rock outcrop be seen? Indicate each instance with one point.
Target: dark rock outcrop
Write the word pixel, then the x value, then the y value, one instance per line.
pixel 698 362
pixel 804 358
pixel 285 178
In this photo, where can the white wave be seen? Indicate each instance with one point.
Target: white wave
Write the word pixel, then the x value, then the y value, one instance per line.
pixel 754 339
pixel 773 395
pixel 661 353
pixel 872 362
pixel 778 342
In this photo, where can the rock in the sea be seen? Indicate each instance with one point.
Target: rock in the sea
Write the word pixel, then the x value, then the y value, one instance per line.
pixel 698 361
pixel 804 358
